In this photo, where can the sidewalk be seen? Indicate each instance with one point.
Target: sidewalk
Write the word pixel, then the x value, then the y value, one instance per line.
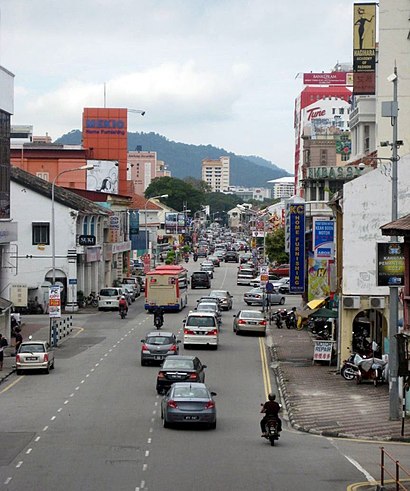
pixel 320 401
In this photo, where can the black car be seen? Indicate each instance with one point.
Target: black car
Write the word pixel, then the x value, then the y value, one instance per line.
pixel 232 256
pixel 156 346
pixel 200 279
pixel 179 369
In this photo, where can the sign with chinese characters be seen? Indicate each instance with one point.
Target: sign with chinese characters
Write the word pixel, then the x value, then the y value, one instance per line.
pixel 390 264
pixel 297 248
pixel 54 301
pixel 323 238
pixel 18 295
pixel 323 350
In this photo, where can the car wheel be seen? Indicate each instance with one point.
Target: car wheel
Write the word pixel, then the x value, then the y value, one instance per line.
pixel 215 347
pixel 212 426
pixel 165 423
pixel 47 370
pixel 52 366
pixel 282 301
pixel 247 303
pixel 99 308
pixel 237 332
pixel 143 363
pixel 19 372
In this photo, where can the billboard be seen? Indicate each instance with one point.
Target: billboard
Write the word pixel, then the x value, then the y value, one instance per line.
pixel 297 248
pixel 318 278
pixel 323 238
pixel 390 264
pixel 175 223
pixel 333 78
pixel 364 48
pixel 104 176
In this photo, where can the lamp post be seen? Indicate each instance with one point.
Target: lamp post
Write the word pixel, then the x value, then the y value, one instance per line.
pixel 53 224
pixel 145 215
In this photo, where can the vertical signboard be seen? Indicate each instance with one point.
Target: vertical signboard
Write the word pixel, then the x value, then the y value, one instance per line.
pixel 54 301
pixel 323 238
pixel 390 264
pixel 364 48
pixel 297 248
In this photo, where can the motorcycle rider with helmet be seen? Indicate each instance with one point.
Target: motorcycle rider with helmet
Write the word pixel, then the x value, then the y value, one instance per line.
pixel 123 304
pixel 158 316
pixel 271 410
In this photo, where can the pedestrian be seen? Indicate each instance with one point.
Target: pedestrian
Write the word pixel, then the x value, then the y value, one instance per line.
pixel 19 339
pixel 3 344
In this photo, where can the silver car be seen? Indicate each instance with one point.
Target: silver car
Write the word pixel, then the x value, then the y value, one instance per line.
pixel 249 320
pixel 188 403
pixel 256 296
pixel 156 346
pixel 225 298
pixel 34 355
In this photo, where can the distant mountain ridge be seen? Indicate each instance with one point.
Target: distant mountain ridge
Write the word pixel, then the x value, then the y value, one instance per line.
pixel 185 160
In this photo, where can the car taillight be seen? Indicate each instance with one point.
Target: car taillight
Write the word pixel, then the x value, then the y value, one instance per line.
pixel 262 323
pixel 240 321
pixel 188 331
pixel 173 348
pixel 144 347
pixel 17 358
pixel 161 375
pixel 210 405
pixel 193 376
pixel 172 404
pixel 213 332
pixel 46 357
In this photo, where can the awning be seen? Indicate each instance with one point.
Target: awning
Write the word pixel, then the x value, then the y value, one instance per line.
pixel 316 303
pixel 324 314
pixel 5 305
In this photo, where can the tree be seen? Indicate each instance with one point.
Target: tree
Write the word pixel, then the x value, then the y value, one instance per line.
pixel 275 246
pixel 198 184
pixel 179 193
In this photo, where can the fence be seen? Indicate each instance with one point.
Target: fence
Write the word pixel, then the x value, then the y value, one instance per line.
pixel 61 329
pixel 397 479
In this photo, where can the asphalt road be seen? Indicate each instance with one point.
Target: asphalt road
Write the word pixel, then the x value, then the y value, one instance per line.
pixel 94 423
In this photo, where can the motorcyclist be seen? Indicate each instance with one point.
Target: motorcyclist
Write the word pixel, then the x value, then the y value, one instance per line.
pixel 271 409
pixel 123 304
pixel 159 314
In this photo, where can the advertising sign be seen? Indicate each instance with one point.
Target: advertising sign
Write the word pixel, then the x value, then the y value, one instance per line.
pixel 104 176
pixel 54 301
pixel 323 238
pixel 297 248
pixel 318 278
pixel 134 222
pixel 333 78
pixel 175 223
pixel 87 240
pixel 18 295
pixel 390 264
pixel 323 350
pixel 364 48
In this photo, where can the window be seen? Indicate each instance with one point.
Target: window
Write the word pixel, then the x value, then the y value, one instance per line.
pixel 85 226
pixel 341 110
pixel 366 138
pixel 41 233
pixel 323 157
pixel 43 175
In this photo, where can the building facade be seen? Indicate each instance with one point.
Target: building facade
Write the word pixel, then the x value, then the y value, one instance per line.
pixel 143 167
pixel 216 173
pixel 284 187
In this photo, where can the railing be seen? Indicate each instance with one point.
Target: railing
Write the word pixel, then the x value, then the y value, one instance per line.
pixel 397 468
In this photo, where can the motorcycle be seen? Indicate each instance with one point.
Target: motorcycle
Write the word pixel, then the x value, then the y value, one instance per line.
pixel 290 320
pixel 373 369
pixel 186 259
pixel 195 257
pixel 123 312
pixel 349 368
pixel 158 320
pixel 272 433
pixel 277 318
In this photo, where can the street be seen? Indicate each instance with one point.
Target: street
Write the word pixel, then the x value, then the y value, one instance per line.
pixel 94 423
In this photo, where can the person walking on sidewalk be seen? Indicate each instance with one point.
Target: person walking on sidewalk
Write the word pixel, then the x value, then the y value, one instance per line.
pixel 19 339
pixel 3 344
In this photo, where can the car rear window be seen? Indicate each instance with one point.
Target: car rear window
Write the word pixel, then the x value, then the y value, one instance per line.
pixel 109 292
pixel 32 348
pixel 184 364
pixel 251 314
pixel 246 273
pixel 194 392
pixel 198 321
pixel 159 340
pixel 200 275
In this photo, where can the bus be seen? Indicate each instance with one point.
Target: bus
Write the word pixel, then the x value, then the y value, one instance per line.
pixel 167 287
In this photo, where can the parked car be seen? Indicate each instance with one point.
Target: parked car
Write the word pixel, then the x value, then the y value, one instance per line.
pixel 179 369
pixel 188 403
pixel 225 298
pixel 156 346
pixel 257 281
pixel 108 298
pixel 282 270
pixel 232 256
pixel 249 320
pixel 34 355
pixel 200 279
pixel 256 296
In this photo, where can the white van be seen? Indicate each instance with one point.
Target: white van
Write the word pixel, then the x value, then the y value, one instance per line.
pixel 109 298
pixel 201 328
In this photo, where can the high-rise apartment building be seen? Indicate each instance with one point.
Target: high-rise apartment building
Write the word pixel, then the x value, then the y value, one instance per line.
pixel 143 167
pixel 216 173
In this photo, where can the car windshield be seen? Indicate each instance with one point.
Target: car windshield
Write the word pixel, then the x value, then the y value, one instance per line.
pixel 198 321
pixel 32 348
pixel 251 314
pixel 159 340
pixel 109 292
pixel 208 307
pixel 191 392
pixel 184 364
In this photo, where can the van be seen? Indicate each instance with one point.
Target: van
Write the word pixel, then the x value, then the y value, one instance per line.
pixel 200 279
pixel 201 328
pixel 109 298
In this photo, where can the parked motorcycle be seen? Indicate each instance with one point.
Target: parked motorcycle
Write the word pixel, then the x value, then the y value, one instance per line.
pixel 373 369
pixel 277 318
pixel 291 320
pixel 92 300
pixel 349 368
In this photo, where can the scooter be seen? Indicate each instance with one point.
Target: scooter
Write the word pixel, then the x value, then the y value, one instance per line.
pixel 186 259
pixel 349 368
pixel 373 369
pixel 291 320
pixel 277 317
pixel 272 433
pixel 195 258
pixel 158 321
pixel 123 312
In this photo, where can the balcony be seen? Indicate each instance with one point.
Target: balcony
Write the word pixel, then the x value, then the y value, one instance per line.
pixel 318 208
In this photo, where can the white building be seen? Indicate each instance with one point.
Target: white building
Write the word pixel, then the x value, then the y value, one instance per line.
pixel 216 173
pixel 284 187
pixel 258 194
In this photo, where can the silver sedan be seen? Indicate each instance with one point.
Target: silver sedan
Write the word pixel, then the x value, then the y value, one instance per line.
pixel 188 403
pixel 256 296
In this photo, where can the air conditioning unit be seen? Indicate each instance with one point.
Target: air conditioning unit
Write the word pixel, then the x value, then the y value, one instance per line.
pixel 376 302
pixel 351 302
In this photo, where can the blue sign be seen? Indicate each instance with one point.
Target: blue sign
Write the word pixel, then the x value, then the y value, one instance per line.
pixel 105 123
pixel 134 222
pixel 323 238
pixel 297 248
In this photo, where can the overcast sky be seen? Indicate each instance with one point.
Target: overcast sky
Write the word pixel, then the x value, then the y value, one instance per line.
pixel 219 72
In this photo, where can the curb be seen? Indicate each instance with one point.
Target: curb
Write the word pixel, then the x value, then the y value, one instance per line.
pixel 313 431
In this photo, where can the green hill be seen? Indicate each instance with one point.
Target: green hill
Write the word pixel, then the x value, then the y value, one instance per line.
pixel 184 160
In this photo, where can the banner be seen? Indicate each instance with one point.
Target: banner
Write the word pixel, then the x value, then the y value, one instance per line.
pixel 297 248
pixel 364 48
pixel 318 278
pixel 323 238
pixel 54 301
pixel 390 264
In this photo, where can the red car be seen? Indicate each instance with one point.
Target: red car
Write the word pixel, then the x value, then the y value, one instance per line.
pixel 281 270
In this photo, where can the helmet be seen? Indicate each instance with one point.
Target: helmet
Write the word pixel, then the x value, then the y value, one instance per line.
pixel 123 297
pixel 272 397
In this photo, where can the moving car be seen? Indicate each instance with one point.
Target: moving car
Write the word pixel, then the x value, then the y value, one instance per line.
pixel 282 285
pixel 201 328
pixel 34 355
pixel 208 268
pixel 232 256
pixel 109 297
pixel 179 369
pixel 245 276
pixel 156 346
pixel 249 320
pixel 209 306
pixel 225 298
pixel 200 279
pixel 256 297
pixel 246 257
pixel 188 403
pixel 215 261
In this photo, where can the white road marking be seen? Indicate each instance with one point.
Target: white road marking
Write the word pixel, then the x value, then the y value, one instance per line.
pixel 154 411
pixel 144 467
pixel 142 484
pixel 29 450
pixel 59 409
pixel 92 369
pixel 77 388
pixel 156 403
pixel 82 381
pixel 19 464
pixel 97 364
pixel 87 375
pixel 149 439
pixel 101 359
pixel 66 402
pixel 53 418
pixel 45 428
pixel 152 420
pixel 7 480
pixel 361 469
pixel 146 453
pixel 106 354
pixel 37 439
pixel 72 395
pixel 151 430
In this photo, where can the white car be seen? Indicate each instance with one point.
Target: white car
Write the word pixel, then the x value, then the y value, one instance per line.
pixel 34 355
pixel 109 298
pixel 201 328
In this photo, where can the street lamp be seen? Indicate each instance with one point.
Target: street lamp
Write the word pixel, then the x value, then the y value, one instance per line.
pixel 145 215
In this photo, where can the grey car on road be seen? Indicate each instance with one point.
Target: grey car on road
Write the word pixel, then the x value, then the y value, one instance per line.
pixel 156 346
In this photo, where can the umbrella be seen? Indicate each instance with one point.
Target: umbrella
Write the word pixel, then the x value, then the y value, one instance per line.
pixel 316 303
pixel 325 314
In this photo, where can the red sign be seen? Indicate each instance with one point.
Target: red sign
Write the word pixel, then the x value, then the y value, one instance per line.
pixel 333 78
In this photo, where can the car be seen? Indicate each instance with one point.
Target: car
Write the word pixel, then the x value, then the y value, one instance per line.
pixel 245 276
pixel 200 279
pixel 281 270
pixel 257 281
pixel 141 281
pixel 34 355
pixel 201 328
pixel 202 251
pixel 109 297
pixel 209 306
pixel 232 256
pixel 215 261
pixel 244 258
pixel 251 321
pixel 208 298
pixel 208 268
pixel 179 368
pixel 256 296
pixel 156 346
pixel 188 403
pixel 282 285
pixel 130 291
pixel 225 298
pixel 220 253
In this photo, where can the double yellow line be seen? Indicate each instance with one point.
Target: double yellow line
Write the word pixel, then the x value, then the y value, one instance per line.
pixel 265 369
